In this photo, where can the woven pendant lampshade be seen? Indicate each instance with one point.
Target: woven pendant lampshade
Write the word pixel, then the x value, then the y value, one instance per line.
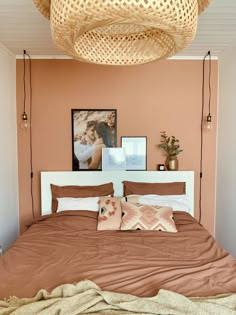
pixel 122 32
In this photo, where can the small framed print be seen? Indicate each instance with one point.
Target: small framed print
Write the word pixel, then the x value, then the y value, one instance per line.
pixel 113 159
pixel 135 152
pixel 161 167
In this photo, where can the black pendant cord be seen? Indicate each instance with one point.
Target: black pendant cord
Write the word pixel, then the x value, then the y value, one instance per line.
pixel 209 85
pixel 202 122
pixel 24 99
pixel 30 130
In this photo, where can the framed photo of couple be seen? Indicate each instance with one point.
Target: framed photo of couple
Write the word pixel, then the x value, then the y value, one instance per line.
pixel 92 130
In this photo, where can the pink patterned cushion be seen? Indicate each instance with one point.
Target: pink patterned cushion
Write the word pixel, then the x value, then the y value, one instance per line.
pixel 136 216
pixel 109 217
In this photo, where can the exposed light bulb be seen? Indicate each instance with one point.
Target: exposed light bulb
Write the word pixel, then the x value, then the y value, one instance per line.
pixel 25 123
pixel 208 123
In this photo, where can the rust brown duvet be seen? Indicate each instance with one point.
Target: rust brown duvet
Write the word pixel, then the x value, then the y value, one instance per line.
pixel 67 248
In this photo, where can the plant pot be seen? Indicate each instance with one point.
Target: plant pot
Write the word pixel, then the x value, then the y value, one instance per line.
pixel 172 163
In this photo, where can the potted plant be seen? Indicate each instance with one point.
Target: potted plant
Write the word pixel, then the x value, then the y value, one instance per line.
pixel 172 148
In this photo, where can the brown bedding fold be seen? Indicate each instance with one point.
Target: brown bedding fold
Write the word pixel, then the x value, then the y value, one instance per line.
pixel 66 248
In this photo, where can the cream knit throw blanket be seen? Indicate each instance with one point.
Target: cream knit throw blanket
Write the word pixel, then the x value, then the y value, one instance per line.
pixel 86 297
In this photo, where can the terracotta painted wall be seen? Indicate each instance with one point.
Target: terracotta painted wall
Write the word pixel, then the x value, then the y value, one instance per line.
pixel 165 95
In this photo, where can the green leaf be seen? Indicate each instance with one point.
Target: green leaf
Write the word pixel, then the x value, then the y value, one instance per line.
pixel 169 144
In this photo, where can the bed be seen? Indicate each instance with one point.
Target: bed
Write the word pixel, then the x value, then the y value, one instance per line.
pixel 62 257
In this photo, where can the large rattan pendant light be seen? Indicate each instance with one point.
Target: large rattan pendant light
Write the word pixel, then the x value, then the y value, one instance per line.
pixel 122 32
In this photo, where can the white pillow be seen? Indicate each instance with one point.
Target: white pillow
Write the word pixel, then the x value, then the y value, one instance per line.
pixel 87 203
pixel 177 202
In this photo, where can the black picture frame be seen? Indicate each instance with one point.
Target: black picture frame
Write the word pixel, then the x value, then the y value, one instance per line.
pixel 87 154
pixel 136 152
pixel 161 167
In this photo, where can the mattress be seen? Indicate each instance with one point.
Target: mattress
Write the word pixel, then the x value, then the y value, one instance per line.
pixel 66 247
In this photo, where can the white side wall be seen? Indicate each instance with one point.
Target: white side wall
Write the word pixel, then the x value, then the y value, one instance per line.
pixel 226 154
pixel 9 209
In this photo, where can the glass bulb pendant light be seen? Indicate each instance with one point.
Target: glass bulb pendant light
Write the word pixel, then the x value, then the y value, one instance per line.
pixel 25 123
pixel 208 123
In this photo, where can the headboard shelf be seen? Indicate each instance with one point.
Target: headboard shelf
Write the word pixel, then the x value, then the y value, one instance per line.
pixel 62 178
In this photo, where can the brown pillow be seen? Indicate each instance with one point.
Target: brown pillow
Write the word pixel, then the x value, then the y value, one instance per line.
pixel 79 192
pixel 138 188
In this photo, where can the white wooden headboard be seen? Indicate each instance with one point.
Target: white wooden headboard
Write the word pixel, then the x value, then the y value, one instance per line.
pixel 101 177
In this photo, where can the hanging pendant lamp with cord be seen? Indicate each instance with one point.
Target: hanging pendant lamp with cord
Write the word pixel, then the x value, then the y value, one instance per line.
pixel 122 32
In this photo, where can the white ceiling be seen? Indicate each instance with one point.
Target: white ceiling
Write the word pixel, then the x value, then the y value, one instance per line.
pixel 23 27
